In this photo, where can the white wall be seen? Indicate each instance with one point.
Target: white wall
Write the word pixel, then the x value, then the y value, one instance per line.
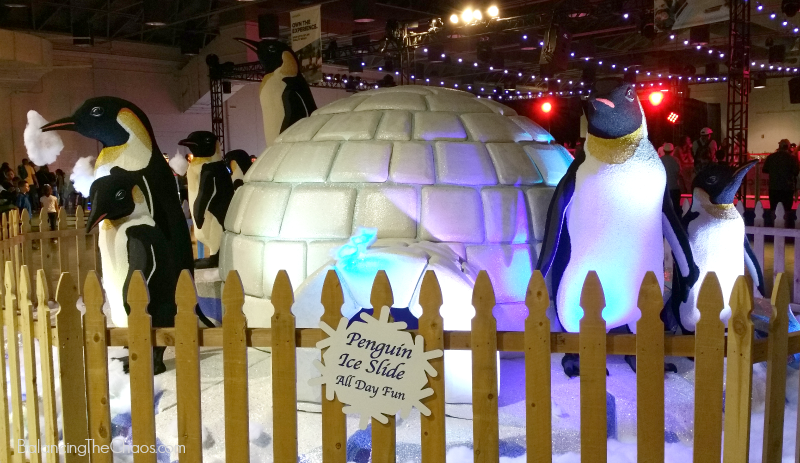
pixel 771 116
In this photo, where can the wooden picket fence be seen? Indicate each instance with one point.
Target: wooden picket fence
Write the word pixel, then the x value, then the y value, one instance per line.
pixel 82 346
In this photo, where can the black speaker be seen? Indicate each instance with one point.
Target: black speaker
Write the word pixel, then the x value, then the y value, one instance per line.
pixel 777 53
pixel 555 52
pixel 794 90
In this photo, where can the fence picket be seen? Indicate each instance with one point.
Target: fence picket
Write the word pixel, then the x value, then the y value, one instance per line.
pixel 187 371
pixel 16 251
pixel 780 216
pixel 538 416
pixel 96 355
pixel 709 353
pixel 594 427
pixel 27 245
pixel 650 371
pixel 485 430
pixel 284 370
pixel 758 220
pixel 140 362
pixel 29 356
pixel 79 268
pixel 777 351
pixel 384 436
pixel 739 375
pixel 43 333
pixel 5 430
pixel 63 250
pixel 433 436
pixel 334 426
pixel 12 350
pixel 234 356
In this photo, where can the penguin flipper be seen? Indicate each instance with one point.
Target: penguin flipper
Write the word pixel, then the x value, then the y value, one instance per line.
pixel 753 266
pixel 556 214
pixel 145 244
pixel 678 240
pixel 214 193
pixel 297 101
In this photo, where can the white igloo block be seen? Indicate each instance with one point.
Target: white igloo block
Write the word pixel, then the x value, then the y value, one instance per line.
pixel 263 170
pixel 456 104
pixel 535 130
pixel 538 202
pixel 418 90
pixel 226 254
pixel 459 248
pixel 438 126
pixel 236 210
pixel 463 164
pixel 395 125
pixel 551 160
pixel 496 107
pixel 510 316
pixel 362 161
pixel 412 162
pixel 264 209
pixel 509 267
pixel 284 255
pixel 393 210
pixel 513 165
pixel 307 162
pixel 344 105
pixel 505 215
pixel 458 376
pixel 304 129
pixel 319 212
pixel 246 255
pixel 359 125
pixel 257 311
pixel 451 214
pixel 403 265
pixel 320 253
pixel 402 101
pixel 493 128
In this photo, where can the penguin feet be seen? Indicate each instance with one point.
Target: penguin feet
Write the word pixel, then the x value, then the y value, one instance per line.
pixel 668 367
pixel 572 365
pixel 207 262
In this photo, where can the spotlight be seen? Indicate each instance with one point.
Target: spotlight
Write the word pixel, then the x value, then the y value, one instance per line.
pixel 625 15
pixel 466 16
pixel 454 18
pixel 673 117
pixel 156 13
pixel 14 4
pixel 656 98
pixel 760 80
pixel 493 12
pixel 477 15
pixel 546 107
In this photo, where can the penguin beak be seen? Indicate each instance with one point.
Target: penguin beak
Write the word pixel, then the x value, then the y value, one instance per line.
pixel 94 219
pixel 67 123
pixel 187 143
pixel 742 171
pixel 251 44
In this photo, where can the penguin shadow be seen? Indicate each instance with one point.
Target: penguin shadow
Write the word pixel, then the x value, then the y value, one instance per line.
pixel 169 356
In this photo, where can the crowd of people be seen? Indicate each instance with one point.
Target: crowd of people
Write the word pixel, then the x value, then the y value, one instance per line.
pixel 33 188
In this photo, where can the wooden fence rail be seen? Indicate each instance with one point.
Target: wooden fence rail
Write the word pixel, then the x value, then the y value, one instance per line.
pixel 82 347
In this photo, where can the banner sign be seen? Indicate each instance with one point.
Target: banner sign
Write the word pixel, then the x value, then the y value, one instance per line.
pixel 307 41
pixel 375 368
pixel 681 14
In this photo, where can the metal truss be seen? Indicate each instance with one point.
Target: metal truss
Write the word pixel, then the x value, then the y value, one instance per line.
pixel 738 81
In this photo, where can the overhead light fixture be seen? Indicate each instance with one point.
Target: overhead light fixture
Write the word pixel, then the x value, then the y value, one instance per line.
pixel 363 11
pixel 760 80
pixel 268 26
pixel 454 18
pixel 466 16
pixel 477 15
pixel 156 12
pixel 14 4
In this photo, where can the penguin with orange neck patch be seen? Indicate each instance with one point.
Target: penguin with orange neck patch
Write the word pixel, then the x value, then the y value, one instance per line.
pixel 610 213
pixel 284 92
pixel 129 144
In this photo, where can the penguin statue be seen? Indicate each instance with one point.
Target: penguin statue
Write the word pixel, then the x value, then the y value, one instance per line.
pixel 237 162
pixel 210 193
pixel 610 213
pixel 131 241
pixel 284 92
pixel 716 235
pixel 129 144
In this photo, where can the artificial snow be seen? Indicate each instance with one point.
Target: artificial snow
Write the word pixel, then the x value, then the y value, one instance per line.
pixel 179 164
pixel 82 175
pixel 43 147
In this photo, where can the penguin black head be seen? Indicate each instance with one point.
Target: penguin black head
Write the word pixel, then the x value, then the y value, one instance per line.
pixel 240 157
pixel 272 54
pixel 112 197
pixel 202 143
pixel 99 118
pixel 613 110
pixel 720 182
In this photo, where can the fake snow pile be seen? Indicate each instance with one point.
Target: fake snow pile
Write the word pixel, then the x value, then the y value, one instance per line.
pixel 82 175
pixel 43 147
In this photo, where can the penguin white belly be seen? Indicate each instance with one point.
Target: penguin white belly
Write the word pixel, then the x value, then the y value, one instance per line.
pixel 272 110
pixel 113 242
pixel 615 228
pixel 717 246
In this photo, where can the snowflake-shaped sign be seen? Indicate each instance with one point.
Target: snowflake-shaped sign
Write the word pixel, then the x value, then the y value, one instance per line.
pixel 375 368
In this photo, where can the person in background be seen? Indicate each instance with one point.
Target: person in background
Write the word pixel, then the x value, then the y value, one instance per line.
pixel 782 168
pixel 7 180
pixel 703 150
pixel 60 186
pixel 686 161
pixel 673 175
pixel 30 177
pixel 23 201
pixel 50 204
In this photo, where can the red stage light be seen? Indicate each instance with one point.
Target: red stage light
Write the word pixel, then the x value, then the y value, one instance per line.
pixel 656 98
pixel 673 117
pixel 546 107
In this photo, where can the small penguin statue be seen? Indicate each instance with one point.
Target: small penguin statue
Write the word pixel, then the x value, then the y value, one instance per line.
pixel 238 162
pixel 131 241
pixel 210 193
pixel 610 213
pixel 284 92
pixel 716 234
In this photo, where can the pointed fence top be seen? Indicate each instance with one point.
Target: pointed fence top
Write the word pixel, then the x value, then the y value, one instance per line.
pixel 8 279
pixel 483 295
pixel 42 292
pixel 537 297
pixel 430 293
pixel 332 297
pixel 381 293
pixel 138 297
pixel 592 298
pixel 24 289
pixel 233 292
pixel 650 297
pixel 282 294
pixel 93 292
pixel 709 301
pixel 780 296
pixel 185 293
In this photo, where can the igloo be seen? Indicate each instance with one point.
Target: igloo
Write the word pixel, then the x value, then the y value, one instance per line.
pixel 404 179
